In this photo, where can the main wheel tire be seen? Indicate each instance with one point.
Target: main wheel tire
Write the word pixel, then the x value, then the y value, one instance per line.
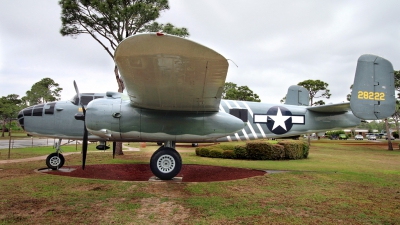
pixel 165 163
pixel 55 161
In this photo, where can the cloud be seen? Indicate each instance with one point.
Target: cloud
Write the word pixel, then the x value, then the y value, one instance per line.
pixel 274 43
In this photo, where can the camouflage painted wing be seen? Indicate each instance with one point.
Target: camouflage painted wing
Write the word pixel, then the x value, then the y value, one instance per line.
pixel 166 72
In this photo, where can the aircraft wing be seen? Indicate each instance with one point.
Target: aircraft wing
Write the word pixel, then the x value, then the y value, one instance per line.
pixel 331 108
pixel 166 72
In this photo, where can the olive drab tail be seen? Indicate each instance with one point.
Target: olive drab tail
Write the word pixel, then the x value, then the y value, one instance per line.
pixel 373 94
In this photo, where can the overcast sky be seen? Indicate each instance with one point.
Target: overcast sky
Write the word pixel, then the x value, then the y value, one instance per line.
pixel 274 43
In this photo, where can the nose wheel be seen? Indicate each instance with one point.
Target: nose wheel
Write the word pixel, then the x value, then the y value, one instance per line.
pixel 55 161
pixel 165 163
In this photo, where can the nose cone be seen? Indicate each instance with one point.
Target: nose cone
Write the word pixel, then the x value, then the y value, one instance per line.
pixel 21 119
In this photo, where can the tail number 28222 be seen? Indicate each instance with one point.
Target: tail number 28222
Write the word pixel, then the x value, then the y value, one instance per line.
pixel 369 95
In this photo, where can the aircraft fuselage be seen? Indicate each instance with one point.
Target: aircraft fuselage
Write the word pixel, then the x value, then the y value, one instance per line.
pixel 115 119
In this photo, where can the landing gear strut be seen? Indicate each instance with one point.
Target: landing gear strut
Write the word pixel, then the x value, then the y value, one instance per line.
pixel 55 160
pixel 166 163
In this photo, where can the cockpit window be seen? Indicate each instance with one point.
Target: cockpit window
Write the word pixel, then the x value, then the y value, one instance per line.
pixel 38 110
pixel 28 111
pixel 49 108
pixel 86 99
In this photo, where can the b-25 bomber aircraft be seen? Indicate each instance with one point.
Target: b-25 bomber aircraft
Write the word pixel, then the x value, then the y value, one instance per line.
pixel 174 88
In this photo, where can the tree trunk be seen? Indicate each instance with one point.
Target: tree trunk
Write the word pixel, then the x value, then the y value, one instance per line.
pixel 121 87
pixel 3 128
pixel 388 135
pixel 9 127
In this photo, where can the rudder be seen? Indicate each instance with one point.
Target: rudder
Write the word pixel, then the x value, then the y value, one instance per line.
pixel 373 94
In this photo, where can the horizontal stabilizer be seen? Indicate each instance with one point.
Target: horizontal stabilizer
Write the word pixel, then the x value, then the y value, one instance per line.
pixel 331 108
pixel 373 94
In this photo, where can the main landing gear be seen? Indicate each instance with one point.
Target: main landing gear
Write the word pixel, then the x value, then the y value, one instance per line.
pixel 55 160
pixel 166 163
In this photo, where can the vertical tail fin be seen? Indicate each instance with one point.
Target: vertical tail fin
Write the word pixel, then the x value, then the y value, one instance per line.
pixel 297 95
pixel 373 94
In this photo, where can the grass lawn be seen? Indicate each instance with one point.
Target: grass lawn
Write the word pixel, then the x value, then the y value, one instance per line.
pixel 342 182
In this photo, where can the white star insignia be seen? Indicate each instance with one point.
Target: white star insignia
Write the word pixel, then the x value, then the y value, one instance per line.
pixel 279 120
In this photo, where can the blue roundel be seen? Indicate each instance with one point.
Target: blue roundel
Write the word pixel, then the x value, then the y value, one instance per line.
pixel 279 120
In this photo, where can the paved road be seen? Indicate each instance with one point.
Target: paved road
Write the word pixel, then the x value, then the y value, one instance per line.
pixel 29 142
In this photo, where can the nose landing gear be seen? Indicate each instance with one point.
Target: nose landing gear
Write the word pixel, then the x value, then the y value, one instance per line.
pixel 55 160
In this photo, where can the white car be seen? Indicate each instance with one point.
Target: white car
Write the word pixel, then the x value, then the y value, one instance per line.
pixel 359 137
pixel 371 137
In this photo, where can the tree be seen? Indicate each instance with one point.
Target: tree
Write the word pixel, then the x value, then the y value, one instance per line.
pixel 113 21
pixel 242 93
pixel 314 87
pixel 46 90
pixel 227 86
pixel 397 82
pixel 10 105
pixel 396 114
pixel 349 95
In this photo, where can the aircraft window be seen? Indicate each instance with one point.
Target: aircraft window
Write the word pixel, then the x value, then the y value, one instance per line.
pixel 86 99
pixel 240 113
pixel 38 110
pixel 49 108
pixel 28 111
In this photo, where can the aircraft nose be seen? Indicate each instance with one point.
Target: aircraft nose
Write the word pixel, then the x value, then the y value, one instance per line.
pixel 21 119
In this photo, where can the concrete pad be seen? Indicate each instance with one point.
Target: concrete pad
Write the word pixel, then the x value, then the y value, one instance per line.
pixel 63 169
pixel 174 180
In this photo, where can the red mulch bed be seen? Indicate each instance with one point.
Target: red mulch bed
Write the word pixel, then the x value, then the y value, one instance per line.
pixel 142 172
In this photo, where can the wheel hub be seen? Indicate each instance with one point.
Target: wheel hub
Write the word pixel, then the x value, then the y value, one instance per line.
pixel 166 163
pixel 55 161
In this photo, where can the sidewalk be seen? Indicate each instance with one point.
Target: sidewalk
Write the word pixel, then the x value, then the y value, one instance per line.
pixel 37 158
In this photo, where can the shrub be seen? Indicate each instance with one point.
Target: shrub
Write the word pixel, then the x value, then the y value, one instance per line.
pixel 305 150
pixel 197 150
pixel 278 152
pixel 226 147
pixel 215 153
pixel 204 152
pixel 293 149
pixel 228 154
pixel 240 152
pixel 257 150
pixel 264 150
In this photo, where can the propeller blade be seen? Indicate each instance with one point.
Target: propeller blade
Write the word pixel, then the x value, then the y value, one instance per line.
pixel 84 147
pixel 85 131
pixel 76 88
pixel 85 139
pixel 114 146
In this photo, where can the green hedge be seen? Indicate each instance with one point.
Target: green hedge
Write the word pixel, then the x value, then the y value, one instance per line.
pixel 293 150
pixel 257 151
pixel 240 152
pixel 264 151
